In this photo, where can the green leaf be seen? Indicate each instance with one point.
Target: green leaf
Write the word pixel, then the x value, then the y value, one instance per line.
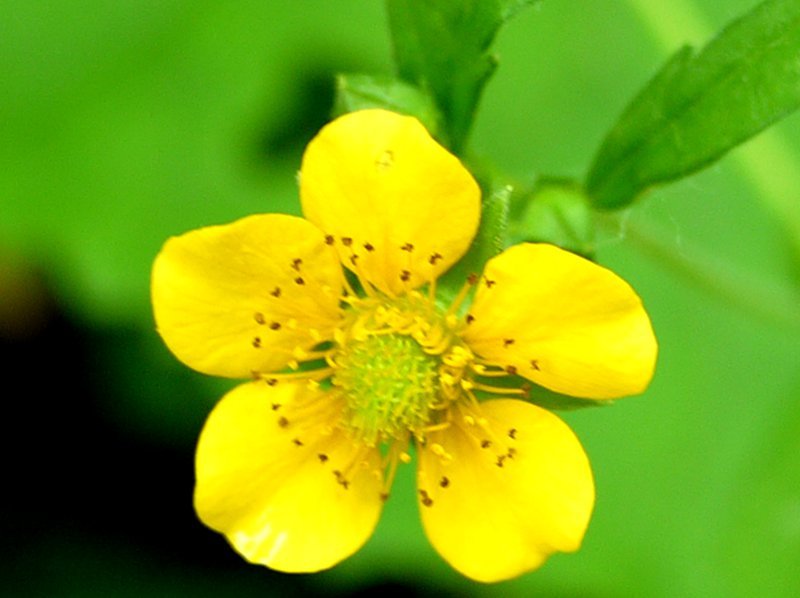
pixel 443 46
pixel 359 92
pixel 557 212
pixel 700 106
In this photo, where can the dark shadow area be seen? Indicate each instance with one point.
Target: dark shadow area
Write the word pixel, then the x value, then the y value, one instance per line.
pixel 92 508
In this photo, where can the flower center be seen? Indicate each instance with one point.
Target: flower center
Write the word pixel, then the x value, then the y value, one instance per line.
pixel 392 365
pixel 389 384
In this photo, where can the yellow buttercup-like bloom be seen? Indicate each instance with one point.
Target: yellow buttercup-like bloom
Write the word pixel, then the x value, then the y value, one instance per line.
pixel 353 362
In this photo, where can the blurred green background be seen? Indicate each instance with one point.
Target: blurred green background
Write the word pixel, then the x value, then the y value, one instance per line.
pixel 125 122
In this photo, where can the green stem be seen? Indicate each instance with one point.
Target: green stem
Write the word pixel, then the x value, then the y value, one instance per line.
pixel 770 302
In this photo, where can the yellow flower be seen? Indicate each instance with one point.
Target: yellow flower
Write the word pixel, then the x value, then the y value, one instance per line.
pixel 352 366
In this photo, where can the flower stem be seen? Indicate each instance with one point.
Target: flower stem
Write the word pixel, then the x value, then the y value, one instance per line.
pixel 770 302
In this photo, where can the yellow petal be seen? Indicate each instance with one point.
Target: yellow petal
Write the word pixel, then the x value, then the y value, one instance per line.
pixel 390 195
pixel 230 300
pixel 267 464
pixel 562 322
pixel 497 499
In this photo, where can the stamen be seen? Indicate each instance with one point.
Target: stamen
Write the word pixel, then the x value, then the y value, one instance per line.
pixel 273 378
pixel 462 294
pixel 498 390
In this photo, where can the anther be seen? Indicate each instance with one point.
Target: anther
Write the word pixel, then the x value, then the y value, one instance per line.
pixel 444 482
pixel 296 263
pixel 512 433
pixel 426 500
pixel 485 444
pixel 489 283
pixel 470 318
pixel 405 275
pixel 275 326
pixel 500 460
pixel 369 247
pixel 384 496
pixel 271 381
pixel 259 317
pixel 297 442
pixel 347 241
pixel 535 364
pixel 323 458
pixel 299 280
pixel 276 292
pixel 438 450
pixel 511 369
pixel 257 342
pixel 508 342
pixel 283 422
pixel 329 240
pixel 472 278
pixel 353 259
pixel 276 406
pixel 407 247
pixel 435 257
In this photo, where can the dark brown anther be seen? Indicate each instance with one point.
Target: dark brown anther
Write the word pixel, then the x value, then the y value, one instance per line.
pixel 486 443
pixel 323 458
pixel 500 460
pixel 535 364
pixel 296 263
pixel 276 406
pixel 283 422
pixel 511 452
pixel 511 369
pixel 472 278
pixel 329 240
pixel 276 292
pixel 340 479
pixel 405 275
pixel 257 342
pixel 512 433
pixel 259 317
pixel 369 247
pixel 271 381
pixel 444 482
pixel 297 442
pixel 426 500
pixel 508 342
pixel 434 258
pixel 354 259
pixel 275 326
pixel 384 496
pixel 299 280
pixel 470 318
pixel 407 247
pixel 347 241
pixel 489 283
